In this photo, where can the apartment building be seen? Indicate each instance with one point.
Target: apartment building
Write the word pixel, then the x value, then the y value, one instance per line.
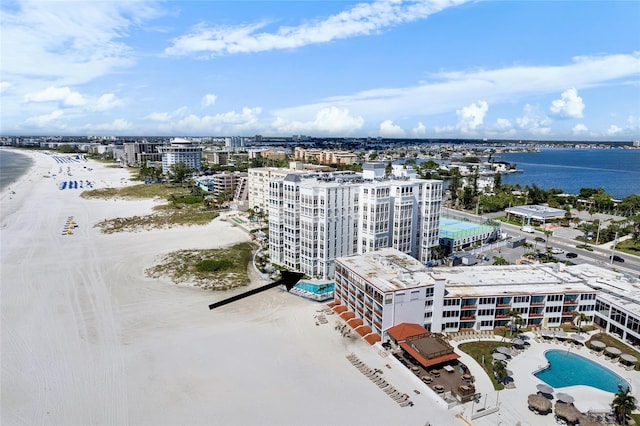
pixel 181 151
pixel 314 218
pixel 387 287
pixel 138 153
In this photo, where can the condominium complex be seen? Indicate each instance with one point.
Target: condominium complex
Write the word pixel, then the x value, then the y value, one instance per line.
pixel 316 217
pixel 387 287
pixel 181 151
pixel 138 153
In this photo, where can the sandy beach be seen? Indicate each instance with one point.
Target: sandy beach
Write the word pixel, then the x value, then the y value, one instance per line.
pixel 87 338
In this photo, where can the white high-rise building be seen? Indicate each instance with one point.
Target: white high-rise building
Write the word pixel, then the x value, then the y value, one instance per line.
pixel 314 218
pixel 181 151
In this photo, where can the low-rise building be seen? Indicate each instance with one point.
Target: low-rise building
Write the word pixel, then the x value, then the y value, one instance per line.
pixel 387 287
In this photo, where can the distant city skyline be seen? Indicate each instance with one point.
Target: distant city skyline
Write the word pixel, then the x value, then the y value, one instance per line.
pixel 530 70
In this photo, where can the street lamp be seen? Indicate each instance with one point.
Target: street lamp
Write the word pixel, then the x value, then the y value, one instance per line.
pixel 613 247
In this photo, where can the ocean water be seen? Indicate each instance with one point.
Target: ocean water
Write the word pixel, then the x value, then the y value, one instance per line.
pixel 616 170
pixel 12 166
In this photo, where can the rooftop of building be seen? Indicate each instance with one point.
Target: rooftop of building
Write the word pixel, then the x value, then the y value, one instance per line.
pixel 615 287
pixel 464 281
pixel 537 212
pixel 389 269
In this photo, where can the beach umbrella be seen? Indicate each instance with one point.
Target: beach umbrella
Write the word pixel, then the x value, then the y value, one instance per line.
pixel 598 344
pixel 539 403
pixel 612 350
pixel 503 350
pixel 546 333
pixel 629 358
pixel 544 388
pixel 577 337
pixel 517 342
pixel 498 356
pixel 566 398
pixel 562 334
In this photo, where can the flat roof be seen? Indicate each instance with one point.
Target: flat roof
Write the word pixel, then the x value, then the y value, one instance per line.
pixel 617 288
pixel 389 269
pixel 509 279
pixel 537 212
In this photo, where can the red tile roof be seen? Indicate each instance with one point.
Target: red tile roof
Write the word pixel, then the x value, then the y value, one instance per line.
pixel 404 330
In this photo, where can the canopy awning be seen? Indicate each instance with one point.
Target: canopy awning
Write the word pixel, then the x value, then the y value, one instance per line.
pixel 503 350
pixel 598 344
pixel 612 350
pixel 544 388
pixel 629 358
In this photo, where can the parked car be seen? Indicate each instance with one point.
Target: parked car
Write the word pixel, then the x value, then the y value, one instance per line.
pixel 616 258
pixel 557 251
pixel 571 255
pixel 540 239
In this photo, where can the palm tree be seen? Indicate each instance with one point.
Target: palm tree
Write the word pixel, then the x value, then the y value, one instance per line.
pixel 623 404
pixel 580 317
pixel 500 260
pixel 515 319
pixel 500 370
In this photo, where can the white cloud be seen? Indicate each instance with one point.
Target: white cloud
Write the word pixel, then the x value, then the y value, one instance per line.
pixel 167 116
pixel 579 129
pixel 327 120
pixel 232 121
pixel 569 105
pixel 115 126
pixel 471 117
pixel 208 100
pixel 503 124
pixel 419 130
pixel 4 85
pixel 69 42
pixel 613 130
pixel 360 20
pixel 534 122
pixel 107 101
pixel 390 130
pixel 46 119
pixel 64 95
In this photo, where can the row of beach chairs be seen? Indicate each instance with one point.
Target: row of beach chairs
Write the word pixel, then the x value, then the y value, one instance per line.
pixel 375 377
pixel 471 335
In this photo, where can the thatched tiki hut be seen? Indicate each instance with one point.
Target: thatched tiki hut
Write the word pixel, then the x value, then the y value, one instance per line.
pixel 539 404
pixel 568 412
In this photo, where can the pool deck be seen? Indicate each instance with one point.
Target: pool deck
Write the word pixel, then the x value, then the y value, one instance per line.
pixel 512 403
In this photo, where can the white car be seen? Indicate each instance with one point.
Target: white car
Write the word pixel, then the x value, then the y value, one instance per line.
pixel 557 251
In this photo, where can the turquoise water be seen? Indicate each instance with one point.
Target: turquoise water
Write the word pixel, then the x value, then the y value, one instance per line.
pixel 569 369
pixel 315 288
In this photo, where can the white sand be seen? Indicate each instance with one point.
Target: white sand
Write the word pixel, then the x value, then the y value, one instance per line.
pixel 88 339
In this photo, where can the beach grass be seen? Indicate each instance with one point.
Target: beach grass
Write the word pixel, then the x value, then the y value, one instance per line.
pixel 481 351
pixel 182 207
pixel 213 269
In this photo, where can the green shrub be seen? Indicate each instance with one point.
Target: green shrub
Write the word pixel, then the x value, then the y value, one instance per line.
pixel 214 265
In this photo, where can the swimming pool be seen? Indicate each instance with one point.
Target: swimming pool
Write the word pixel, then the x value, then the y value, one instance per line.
pixel 570 369
pixel 319 289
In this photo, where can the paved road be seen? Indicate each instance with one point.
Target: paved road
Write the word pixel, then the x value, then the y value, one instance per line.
pixel 563 239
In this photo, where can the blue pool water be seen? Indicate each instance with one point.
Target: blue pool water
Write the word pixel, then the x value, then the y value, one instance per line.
pixel 315 288
pixel 569 369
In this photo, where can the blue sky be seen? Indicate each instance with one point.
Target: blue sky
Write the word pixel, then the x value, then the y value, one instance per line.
pixel 565 70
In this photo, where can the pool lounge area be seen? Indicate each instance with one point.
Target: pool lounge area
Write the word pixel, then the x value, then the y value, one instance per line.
pixel 318 290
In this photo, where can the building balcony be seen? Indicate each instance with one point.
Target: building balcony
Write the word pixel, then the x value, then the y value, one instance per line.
pixel 570 302
pixel 468 306
pixel 535 315
pixel 537 303
pixel 503 305
pixel 469 318
pixel 502 316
